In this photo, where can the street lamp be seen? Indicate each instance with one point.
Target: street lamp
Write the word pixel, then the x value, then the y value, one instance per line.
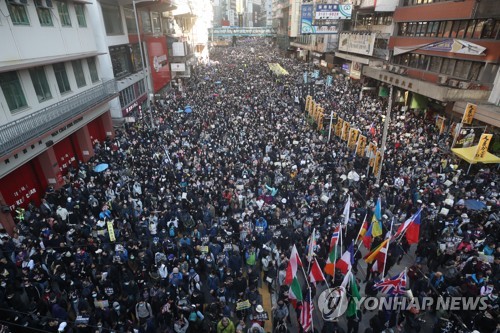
pixel 142 59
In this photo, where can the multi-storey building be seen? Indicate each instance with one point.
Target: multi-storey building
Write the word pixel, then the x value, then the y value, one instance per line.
pixel 447 52
pixel 54 97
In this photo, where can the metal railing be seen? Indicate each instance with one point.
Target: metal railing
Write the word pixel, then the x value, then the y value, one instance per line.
pixel 15 134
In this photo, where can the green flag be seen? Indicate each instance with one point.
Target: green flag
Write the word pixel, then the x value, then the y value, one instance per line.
pixel 351 308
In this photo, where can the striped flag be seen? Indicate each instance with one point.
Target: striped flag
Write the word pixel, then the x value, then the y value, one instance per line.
pixel 293 264
pixel 393 286
pixel 332 254
pixel 312 245
pixel 316 275
pixel 306 314
pixel 362 230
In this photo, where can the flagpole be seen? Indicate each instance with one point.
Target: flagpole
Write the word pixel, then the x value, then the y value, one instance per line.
pixel 359 232
pixel 387 251
pixel 311 303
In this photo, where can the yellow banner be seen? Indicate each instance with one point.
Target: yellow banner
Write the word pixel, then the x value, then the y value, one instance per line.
pixel 372 150
pixel 308 102
pixel 440 124
pixel 313 108
pixel 339 126
pixel 111 231
pixel 482 147
pixel 360 151
pixel 345 131
pixel 320 121
pixel 353 138
pixel 470 112
pixel 377 164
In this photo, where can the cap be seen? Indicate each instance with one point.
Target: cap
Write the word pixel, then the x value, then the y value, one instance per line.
pixel 176 270
pixel 259 308
pixel 62 326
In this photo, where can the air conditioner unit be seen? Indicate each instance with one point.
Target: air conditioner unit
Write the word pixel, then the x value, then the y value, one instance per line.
pixel 402 70
pixel 442 79
pixel 391 68
pixel 464 85
pixel 453 83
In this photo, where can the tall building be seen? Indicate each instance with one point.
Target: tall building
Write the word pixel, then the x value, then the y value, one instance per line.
pixel 54 97
pixel 446 53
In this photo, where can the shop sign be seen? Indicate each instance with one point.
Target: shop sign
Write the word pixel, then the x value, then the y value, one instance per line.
pixel 396 80
pixel 357 42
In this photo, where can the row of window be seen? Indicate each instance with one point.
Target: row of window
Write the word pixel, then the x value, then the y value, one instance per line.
pixel 376 19
pixel 12 88
pixel 150 22
pixel 470 29
pixel 20 16
pixel 462 69
pixel 131 93
pixel 421 2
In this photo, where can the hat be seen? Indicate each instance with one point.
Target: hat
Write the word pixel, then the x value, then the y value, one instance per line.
pixel 433 204
pixel 259 308
pixel 62 325
pixel 419 201
pixel 68 254
pixel 116 305
pixel 464 216
pixel 176 270
pixel 98 251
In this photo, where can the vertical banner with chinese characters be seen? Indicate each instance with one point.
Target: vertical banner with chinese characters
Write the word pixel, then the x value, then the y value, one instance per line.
pixel 440 120
pixel 360 151
pixel 482 147
pixel 353 138
pixel 377 164
pixel 111 231
pixel 345 131
pixel 469 113
pixel 338 128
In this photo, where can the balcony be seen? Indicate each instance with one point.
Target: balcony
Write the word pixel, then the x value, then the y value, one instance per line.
pixel 16 134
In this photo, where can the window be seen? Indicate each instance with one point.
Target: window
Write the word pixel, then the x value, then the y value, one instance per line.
pixel 130 20
pixel 94 76
pixel 136 57
pixel 490 29
pixel 146 22
pixel 62 8
pixel 61 77
pixel 156 22
pixel 120 60
pixel 112 19
pixel 432 29
pixel 18 14
pixel 79 74
pixel 462 69
pixel 462 28
pixel 12 91
pixel 435 64
pixel 40 84
pixel 475 70
pixel 80 15
pixel 470 29
pixel 403 27
pixel 448 66
pixel 44 15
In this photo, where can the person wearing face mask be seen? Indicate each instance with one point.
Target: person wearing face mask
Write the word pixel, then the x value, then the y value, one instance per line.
pixel 280 313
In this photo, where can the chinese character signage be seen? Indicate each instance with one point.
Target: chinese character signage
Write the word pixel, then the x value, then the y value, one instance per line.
pixel 333 12
pixel 357 42
pixel 361 146
pixel 308 27
pixel 470 112
pixel 353 138
pixel 482 147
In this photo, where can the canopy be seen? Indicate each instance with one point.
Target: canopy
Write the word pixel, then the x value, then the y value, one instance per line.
pixel 469 154
pixel 101 167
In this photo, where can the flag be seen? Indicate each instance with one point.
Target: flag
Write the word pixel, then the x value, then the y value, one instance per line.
pixel 372 129
pixel 380 259
pixel 347 209
pixel 345 262
pixel 352 309
pixel 362 230
pixel 378 210
pixel 393 286
pixel 316 275
pixel 293 264
pixel 371 256
pixel 332 254
pixel 374 230
pixel 295 292
pixel 306 314
pixel 413 230
pixel 311 246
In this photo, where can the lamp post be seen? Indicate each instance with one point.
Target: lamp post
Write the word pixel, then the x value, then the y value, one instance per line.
pixel 142 60
pixel 384 135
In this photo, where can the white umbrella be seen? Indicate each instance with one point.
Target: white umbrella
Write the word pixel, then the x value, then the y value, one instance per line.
pixel 353 175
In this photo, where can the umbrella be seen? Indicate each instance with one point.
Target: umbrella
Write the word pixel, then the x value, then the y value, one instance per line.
pixel 218 82
pixel 353 175
pixel 474 204
pixel 101 167
pixel 188 109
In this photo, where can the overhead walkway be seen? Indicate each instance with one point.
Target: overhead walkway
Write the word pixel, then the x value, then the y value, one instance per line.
pixel 242 32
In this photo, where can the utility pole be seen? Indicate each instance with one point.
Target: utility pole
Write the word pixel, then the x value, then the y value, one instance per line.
pixel 384 136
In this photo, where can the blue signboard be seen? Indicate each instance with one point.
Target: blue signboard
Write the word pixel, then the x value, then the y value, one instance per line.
pixel 306 24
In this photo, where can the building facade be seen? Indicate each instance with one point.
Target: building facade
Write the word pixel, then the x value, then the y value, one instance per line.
pixel 53 106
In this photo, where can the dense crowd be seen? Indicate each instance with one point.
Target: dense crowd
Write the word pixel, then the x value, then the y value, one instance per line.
pixel 206 205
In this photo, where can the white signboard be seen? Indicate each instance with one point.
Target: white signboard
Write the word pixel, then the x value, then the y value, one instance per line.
pixel 178 67
pixel 178 49
pixel 360 43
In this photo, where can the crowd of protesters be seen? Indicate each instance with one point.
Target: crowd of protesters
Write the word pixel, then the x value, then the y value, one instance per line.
pixel 205 206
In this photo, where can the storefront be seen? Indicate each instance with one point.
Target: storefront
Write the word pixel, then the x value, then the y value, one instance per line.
pixel 66 154
pixel 135 108
pixel 22 186
pixel 96 130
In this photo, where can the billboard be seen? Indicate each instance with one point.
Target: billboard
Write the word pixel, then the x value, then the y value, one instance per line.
pixel 357 42
pixel 356 69
pixel 307 26
pixel 333 12
pixel 158 61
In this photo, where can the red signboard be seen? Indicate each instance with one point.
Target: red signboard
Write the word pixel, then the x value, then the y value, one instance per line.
pixel 20 187
pixel 158 60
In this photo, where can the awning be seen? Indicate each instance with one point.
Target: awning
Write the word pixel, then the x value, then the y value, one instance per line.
pixel 468 154
pixel 361 60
